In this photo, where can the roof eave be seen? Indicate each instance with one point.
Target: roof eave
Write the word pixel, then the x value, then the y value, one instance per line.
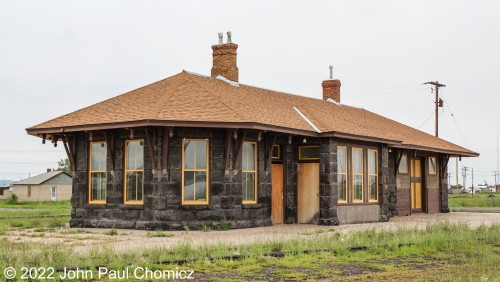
pixel 452 153
pixel 143 123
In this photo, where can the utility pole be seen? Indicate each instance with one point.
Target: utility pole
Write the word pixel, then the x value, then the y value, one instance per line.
pixel 456 172
pixel 449 179
pixel 472 182
pixel 495 174
pixel 464 176
pixel 439 102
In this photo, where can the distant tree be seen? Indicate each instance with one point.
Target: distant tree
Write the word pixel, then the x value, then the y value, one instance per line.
pixel 64 165
pixel 455 186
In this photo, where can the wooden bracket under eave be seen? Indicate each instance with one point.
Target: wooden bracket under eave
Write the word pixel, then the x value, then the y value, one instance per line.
pixel 399 156
pixel 237 155
pixel 444 167
pixel 227 147
pixel 151 147
pixel 110 144
pixel 167 133
pixel 270 141
pixel 69 142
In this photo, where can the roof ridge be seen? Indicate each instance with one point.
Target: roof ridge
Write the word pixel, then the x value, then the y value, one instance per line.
pixel 345 120
pixel 231 109
pixel 170 97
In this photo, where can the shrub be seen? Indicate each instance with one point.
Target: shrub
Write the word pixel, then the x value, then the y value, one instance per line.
pixel 112 232
pixel 224 224
pixel 12 199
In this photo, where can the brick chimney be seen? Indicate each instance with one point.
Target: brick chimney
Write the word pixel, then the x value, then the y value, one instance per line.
pixel 331 88
pixel 224 55
pixel 49 169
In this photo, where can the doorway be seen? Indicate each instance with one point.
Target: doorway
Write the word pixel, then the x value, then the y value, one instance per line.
pixel 416 185
pixel 277 211
pixel 308 193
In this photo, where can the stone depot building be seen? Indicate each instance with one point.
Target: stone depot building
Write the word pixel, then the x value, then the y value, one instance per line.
pixel 192 150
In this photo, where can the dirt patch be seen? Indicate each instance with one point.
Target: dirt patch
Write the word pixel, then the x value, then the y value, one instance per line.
pixel 127 240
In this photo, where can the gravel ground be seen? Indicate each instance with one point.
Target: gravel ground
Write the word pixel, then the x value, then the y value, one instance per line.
pixel 86 239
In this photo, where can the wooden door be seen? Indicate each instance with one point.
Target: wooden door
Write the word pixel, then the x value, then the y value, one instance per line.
pixel 308 193
pixel 277 214
pixel 416 184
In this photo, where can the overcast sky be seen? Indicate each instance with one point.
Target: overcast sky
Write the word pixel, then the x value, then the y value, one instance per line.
pixel 59 56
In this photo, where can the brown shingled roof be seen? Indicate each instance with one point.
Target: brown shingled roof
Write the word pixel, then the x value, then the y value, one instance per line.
pixel 188 99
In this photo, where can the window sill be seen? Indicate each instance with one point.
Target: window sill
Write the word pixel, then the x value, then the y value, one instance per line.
pixel 359 204
pixel 96 206
pixel 251 205
pixel 195 207
pixel 132 206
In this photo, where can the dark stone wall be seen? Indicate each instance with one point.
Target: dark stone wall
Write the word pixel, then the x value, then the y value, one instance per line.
pixel 391 183
pixel 290 184
pixel 387 185
pixel 162 206
pixel 328 194
pixel 443 182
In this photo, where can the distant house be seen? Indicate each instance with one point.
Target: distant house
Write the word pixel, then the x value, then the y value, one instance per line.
pixel 4 188
pixel 53 185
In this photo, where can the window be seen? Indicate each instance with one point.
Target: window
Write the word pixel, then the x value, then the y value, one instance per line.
pixel 29 191
pixel 53 193
pixel 372 176
pixel 308 153
pixel 249 170
pixel 357 175
pixel 134 171
pixel 195 171
pixel 276 152
pixel 432 166
pixel 97 173
pixel 1 192
pixel 342 173
pixel 403 164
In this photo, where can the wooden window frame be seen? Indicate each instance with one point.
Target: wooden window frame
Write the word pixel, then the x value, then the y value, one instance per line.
pixel 279 152
pixel 255 171
pixel 53 193
pixel 429 164
pixel 346 173
pixel 206 170
pixel 357 201
pixel 307 159
pixel 125 170
pixel 371 174
pixel 407 166
pixel 100 171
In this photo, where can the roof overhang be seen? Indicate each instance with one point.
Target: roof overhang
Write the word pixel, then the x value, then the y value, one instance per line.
pixel 145 123
pixel 240 125
pixel 434 150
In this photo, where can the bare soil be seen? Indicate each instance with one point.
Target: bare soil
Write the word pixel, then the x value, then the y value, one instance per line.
pixel 87 239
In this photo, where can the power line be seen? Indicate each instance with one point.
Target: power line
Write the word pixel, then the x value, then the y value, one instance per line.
pixel 426 120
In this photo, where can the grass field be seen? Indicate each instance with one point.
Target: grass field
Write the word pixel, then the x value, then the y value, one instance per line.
pixel 480 200
pixel 53 205
pixel 47 214
pixel 442 252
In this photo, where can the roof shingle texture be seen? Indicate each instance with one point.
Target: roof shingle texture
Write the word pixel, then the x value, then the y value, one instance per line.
pixel 196 98
pixel 38 179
